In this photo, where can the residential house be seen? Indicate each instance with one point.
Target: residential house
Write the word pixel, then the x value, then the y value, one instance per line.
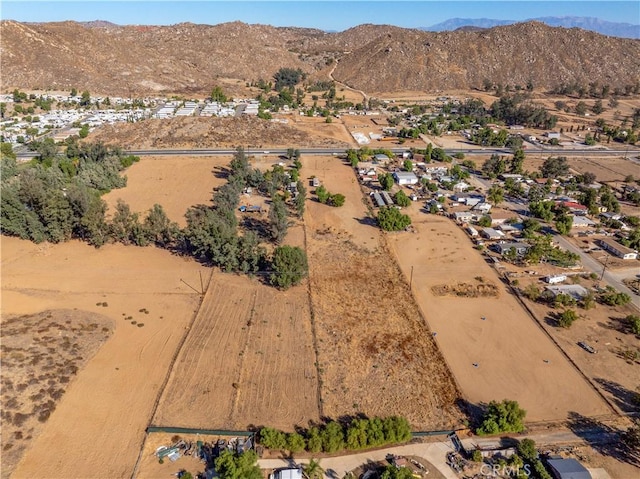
pixel 464 216
pixel 617 249
pixel 520 248
pixel 568 469
pixel 582 222
pixel 576 291
pixel 492 234
pixel 573 207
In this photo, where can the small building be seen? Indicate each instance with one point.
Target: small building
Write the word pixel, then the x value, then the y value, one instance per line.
pixel 461 186
pixel 576 291
pixel 492 234
pixel 553 135
pixel 582 222
pixel 519 248
pixel 377 199
pixel 611 216
pixel 472 231
pixel 387 198
pixel 573 207
pixel 464 216
pixel 380 158
pixel 568 469
pixel 617 249
pixel 405 178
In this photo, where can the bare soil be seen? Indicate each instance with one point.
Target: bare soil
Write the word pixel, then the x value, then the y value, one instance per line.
pixel 248 360
pixel 376 353
pixel 174 182
pixel 494 349
pixel 98 424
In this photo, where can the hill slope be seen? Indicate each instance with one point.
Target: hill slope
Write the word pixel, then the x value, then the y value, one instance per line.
pixel 188 58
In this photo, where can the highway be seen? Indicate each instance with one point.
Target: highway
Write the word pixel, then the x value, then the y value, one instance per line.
pixel 339 151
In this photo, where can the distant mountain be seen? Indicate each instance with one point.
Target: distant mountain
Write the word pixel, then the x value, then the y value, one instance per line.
pixel 623 30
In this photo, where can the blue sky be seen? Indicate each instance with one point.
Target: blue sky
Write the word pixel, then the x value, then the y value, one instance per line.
pixel 327 14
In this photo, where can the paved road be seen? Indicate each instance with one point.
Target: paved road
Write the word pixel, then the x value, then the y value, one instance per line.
pixel 611 278
pixel 330 151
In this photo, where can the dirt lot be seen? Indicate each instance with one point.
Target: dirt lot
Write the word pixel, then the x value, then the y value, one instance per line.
pixel 104 411
pixel 41 355
pixel 248 360
pixel 605 169
pixel 317 125
pixel 504 355
pixel 174 182
pixel 365 124
pixel 613 369
pixel 376 353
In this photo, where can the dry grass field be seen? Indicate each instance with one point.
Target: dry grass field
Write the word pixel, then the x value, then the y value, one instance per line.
pixel 318 126
pixel 175 182
pixel 248 360
pixel 504 355
pixel 98 424
pixel 376 353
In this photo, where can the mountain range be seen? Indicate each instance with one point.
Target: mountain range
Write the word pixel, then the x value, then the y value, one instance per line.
pixel 186 58
pixel 614 29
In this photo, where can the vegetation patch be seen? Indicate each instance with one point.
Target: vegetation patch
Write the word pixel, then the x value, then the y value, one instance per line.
pixel 466 290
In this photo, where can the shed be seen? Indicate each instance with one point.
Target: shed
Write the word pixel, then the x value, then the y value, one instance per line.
pixel 380 157
pixel 576 291
pixel 378 199
pixel 568 469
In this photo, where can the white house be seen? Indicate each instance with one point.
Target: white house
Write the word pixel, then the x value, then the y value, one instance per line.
pixel 582 222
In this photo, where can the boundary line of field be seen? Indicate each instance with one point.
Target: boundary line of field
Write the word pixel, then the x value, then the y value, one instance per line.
pixel 312 316
pixel 168 373
pixel 515 293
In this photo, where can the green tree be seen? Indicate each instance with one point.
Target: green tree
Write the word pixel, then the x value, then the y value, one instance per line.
pixel 581 108
pixel 300 199
pixel 554 167
pixel 532 292
pixel 84 131
pixel 495 195
pixel 393 472
pixel 287 77
pixel 313 470
pixel 337 200
pixel 484 221
pixel 218 95
pixel 611 297
pixel 289 265
pixel 505 416
pixel 322 194
pixel 272 438
pixel 633 320
pixel 314 441
pixel 408 165
pixel 278 221
pixel 85 100
pixel 74 92
pixel 352 157
pixel 295 442
pixel 527 449
pixel 332 437
pixel 237 466
pixel 391 219
pixel 564 223
pixel 567 318
pixel 386 181
pixel 401 199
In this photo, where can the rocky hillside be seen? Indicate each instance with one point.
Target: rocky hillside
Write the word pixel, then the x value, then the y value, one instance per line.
pixel 188 58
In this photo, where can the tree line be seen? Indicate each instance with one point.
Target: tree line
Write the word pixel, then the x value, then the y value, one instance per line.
pixel 359 433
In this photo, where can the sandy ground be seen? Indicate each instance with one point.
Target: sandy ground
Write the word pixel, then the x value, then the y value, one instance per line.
pixel 176 183
pixel 376 353
pixel 318 126
pixel 248 360
pixel 98 427
pixel 514 359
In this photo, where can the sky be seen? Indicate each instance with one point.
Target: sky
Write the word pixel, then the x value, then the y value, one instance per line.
pixel 326 14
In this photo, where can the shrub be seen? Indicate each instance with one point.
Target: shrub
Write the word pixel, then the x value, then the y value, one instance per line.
pixel 505 416
pixel 476 455
pixel 567 318
pixel 289 266
pixel 272 438
pixel 391 219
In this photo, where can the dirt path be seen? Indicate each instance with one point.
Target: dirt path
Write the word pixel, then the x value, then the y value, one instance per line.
pixel 344 85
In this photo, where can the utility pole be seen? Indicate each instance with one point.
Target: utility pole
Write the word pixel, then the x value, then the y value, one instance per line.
pixel 411 278
pixel 604 268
